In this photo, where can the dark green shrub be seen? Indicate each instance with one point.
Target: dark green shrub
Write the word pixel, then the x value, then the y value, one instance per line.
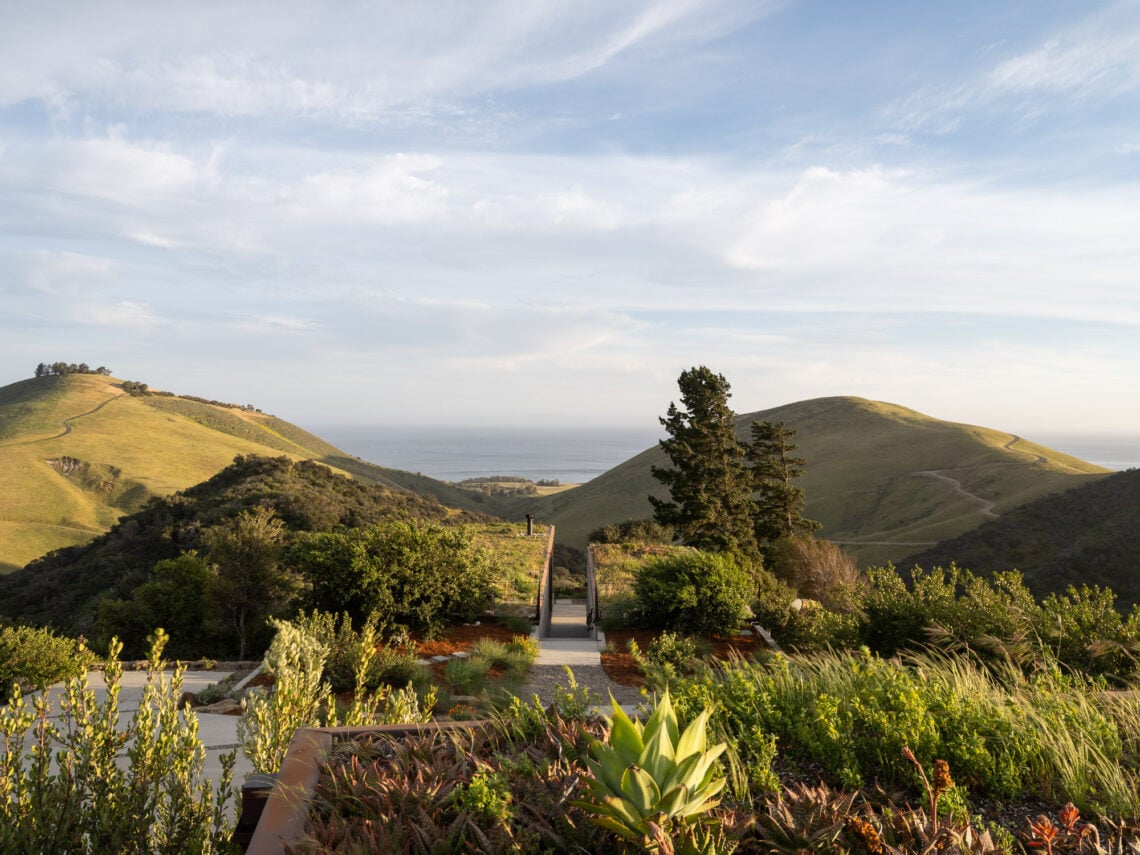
pixel 407 574
pixel 964 608
pixel 35 658
pixel 693 592
pixel 175 597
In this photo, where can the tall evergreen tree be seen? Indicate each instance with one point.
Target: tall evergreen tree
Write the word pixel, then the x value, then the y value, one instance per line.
pixel 779 503
pixel 710 486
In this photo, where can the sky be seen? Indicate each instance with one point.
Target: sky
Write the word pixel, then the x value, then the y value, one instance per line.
pixel 540 213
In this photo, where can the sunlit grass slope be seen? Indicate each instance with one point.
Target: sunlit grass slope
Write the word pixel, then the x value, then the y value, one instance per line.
pixel 76 453
pixel 865 477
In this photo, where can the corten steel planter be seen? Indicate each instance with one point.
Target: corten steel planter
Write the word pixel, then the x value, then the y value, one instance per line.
pixel 284 815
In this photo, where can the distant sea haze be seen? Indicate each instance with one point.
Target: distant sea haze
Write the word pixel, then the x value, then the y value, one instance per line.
pixel 1115 451
pixel 577 456
pixel 452 454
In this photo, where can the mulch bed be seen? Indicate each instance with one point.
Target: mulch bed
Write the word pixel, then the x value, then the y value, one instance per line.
pixel 460 638
pixel 622 668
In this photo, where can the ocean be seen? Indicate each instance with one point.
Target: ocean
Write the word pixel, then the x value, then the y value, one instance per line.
pixel 1112 451
pixel 570 456
pixel 575 456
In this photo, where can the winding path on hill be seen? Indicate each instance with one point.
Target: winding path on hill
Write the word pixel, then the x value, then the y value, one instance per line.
pixel 986 507
pixel 1039 458
pixel 27 524
pixel 67 423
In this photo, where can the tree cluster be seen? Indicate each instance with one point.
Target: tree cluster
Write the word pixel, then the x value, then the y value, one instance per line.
pixel 62 369
pixel 139 575
pixel 249 408
pixel 727 495
pixel 134 388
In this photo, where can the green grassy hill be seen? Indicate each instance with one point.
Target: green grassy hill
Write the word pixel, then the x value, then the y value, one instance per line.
pixel 63 587
pixel 883 480
pixel 78 453
pixel 1084 535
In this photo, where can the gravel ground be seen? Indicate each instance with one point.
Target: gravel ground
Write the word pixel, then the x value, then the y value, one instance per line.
pixel 543 679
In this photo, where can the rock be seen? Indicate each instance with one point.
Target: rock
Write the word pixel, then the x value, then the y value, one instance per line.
pixel 188 699
pixel 460 654
pixel 224 707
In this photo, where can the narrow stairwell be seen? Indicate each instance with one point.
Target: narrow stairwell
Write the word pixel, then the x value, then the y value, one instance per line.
pixel 568 619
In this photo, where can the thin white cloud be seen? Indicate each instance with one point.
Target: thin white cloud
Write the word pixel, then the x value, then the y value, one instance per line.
pixel 277 323
pixel 394 189
pixel 1092 61
pixel 350 59
pixel 870 240
pixel 123 313
pixel 127 173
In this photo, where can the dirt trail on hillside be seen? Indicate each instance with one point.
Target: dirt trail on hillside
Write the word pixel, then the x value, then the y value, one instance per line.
pixel 27 523
pixel 66 423
pixel 1039 458
pixel 987 507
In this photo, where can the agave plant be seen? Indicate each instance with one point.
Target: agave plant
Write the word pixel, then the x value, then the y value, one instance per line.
pixel 653 785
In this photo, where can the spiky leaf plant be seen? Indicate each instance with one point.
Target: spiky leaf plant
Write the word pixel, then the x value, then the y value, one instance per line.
pixel 651 783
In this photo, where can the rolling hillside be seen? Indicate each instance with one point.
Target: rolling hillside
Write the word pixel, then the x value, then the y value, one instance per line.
pixel 77 453
pixel 64 587
pixel 883 480
pixel 1084 535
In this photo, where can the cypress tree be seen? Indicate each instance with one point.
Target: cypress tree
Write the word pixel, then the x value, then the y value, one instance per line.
pixel 710 486
pixel 779 503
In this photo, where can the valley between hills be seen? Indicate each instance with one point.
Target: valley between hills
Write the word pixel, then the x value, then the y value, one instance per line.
pixel 79 453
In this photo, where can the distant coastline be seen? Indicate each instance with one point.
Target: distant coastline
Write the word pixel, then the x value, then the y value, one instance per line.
pixel 572 456
pixel 1112 451
pixel 575 456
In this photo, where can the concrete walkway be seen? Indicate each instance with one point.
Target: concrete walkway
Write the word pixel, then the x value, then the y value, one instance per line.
pixel 568 651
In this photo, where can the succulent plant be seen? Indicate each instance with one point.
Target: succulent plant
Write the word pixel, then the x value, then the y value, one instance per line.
pixel 652 784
